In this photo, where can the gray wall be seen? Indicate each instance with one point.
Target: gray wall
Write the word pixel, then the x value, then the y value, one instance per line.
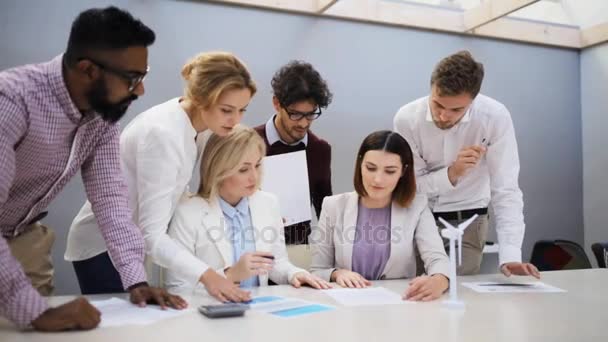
pixel 372 69
pixel 594 101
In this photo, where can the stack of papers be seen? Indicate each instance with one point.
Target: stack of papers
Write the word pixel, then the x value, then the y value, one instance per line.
pixel 507 287
pixel 286 307
pixel 119 312
pixel 365 296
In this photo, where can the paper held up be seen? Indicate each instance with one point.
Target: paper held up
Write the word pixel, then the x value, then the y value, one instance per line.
pixel 286 176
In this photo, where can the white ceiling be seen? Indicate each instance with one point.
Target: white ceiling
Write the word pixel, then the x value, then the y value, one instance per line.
pixel 579 13
pixel 576 24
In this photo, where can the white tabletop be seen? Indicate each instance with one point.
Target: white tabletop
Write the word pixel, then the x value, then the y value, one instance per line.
pixel 581 314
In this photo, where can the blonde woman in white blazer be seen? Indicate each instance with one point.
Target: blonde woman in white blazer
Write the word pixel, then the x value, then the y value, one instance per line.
pixel 373 233
pixel 159 150
pixel 229 224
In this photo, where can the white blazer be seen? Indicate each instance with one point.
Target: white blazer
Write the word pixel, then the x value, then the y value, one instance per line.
pixel 199 226
pixel 158 155
pixel 332 240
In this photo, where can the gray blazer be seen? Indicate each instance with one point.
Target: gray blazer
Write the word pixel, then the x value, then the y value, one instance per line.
pixel 332 239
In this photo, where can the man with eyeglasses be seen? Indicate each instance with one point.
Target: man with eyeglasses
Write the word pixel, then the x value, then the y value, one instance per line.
pixel 300 94
pixel 58 118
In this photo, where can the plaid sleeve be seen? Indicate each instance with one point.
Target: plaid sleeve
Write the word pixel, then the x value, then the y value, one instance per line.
pixel 108 193
pixel 19 301
pixel 13 125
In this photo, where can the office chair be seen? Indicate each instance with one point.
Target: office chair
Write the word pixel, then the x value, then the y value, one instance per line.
pixel 600 250
pixel 548 255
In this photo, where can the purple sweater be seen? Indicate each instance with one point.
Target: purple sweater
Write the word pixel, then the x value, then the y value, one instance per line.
pixel 372 245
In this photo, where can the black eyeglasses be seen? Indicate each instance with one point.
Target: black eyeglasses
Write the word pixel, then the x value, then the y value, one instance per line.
pixel 133 77
pixel 297 116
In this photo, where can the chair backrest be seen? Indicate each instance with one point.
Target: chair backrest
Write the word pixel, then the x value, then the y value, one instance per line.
pixel 600 250
pixel 548 255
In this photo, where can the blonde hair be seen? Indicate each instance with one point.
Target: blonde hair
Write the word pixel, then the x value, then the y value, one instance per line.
pixel 223 155
pixel 210 74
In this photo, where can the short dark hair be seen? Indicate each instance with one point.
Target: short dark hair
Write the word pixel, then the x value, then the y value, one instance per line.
pixel 298 81
pixel 458 73
pixel 392 142
pixel 107 28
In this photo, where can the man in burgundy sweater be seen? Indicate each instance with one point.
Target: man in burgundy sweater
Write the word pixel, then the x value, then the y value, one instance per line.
pixel 299 95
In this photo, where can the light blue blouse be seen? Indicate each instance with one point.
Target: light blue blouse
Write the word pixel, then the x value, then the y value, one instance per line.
pixel 242 237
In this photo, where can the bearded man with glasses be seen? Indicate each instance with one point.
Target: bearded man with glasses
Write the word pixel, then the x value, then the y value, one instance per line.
pixel 56 119
pixel 299 95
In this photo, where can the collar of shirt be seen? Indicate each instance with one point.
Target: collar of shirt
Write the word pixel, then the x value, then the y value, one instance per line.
pixel 242 208
pixel 191 132
pixel 273 135
pixel 60 90
pixel 465 118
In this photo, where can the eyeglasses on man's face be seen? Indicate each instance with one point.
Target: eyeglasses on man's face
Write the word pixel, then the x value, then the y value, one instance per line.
pixel 297 116
pixel 134 78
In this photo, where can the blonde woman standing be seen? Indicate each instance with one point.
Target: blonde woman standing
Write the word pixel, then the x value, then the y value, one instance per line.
pixel 232 226
pixel 158 152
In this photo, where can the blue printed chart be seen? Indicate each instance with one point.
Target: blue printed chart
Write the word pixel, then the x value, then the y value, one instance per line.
pixel 286 307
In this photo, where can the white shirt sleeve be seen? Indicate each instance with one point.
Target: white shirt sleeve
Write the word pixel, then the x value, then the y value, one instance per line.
pixel 158 164
pixel 507 200
pixel 431 183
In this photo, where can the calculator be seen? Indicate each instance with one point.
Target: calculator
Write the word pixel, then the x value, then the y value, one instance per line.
pixel 223 310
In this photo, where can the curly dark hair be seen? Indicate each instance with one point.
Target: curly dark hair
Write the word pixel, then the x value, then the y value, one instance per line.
pixel 299 81
pixel 458 73
pixel 107 28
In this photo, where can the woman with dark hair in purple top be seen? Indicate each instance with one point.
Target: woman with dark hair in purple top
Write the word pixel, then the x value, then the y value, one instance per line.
pixel 374 232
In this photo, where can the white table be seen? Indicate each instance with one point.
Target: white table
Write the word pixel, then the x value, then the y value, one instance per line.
pixel 581 314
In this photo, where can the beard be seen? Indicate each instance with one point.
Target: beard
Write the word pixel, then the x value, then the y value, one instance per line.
pixel 444 125
pixel 297 135
pixel 107 110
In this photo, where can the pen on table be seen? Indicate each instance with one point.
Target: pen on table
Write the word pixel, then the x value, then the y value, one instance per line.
pixel 505 284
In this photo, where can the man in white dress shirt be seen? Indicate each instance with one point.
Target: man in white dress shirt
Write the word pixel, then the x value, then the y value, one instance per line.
pixel 465 156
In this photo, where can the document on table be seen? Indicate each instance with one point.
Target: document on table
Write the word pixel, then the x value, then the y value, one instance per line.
pixel 119 312
pixel 286 307
pixel 286 176
pixel 508 287
pixel 365 296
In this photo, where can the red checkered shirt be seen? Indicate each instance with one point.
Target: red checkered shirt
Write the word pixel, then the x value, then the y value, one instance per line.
pixel 44 142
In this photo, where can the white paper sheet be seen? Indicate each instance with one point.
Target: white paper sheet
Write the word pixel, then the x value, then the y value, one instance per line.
pixel 286 176
pixel 119 312
pixel 511 287
pixel 365 296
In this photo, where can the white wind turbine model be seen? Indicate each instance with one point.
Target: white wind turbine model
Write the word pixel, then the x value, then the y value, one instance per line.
pixel 452 233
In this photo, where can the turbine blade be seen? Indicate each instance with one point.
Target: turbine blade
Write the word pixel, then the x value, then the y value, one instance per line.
pixel 466 223
pixel 459 250
pixel 446 223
